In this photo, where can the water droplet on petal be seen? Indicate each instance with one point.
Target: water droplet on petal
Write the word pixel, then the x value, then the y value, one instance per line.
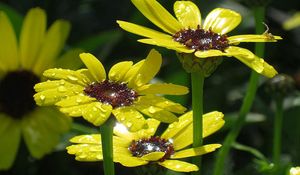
pixel 122 118
pixel 78 100
pixel 152 109
pixel 62 89
pixel 70 77
pixel 128 124
pixel 42 97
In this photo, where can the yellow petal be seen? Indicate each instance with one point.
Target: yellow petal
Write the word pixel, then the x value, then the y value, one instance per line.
pixel 130 117
pixel 94 65
pixel 75 100
pixel 53 44
pixel 154 156
pixel 148 70
pixel 179 166
pixel 142 31
pixel 187 14
pixel 8 45
pixel 86 152
pixel 133 71
pixel 161 102
pixel 167 43
pixel 87 139
pixel 129 161
pixel 191 152
pixel 10 135
pixel 119 70
pixel 32 36
pixel 252 38
pixel 68 75
pixel 158 15
pixel 46 85
pixel 167 89
pixel 222 21
pixel 252 61
pixel 97 113
pixel 157 113
pixel 210 53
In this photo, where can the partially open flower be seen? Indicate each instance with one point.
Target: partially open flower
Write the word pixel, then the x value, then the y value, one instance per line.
pixel 134 149
pixel 187 34
pixel 125 92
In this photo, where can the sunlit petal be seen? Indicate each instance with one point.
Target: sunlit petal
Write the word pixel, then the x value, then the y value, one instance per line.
pixel 94 65
pixel 179 166
pixel 153 156
pixel 191 152
pixel 187 14
pixel 168 89
pixel 119 70
pixel 253 38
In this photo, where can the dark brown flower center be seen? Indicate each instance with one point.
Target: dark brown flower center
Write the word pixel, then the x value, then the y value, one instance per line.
pixel 145 146
pixel 115 94
pixel 200 39
pixel 16 93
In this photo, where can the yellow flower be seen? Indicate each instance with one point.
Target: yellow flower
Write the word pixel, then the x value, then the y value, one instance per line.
pixel 21 65
pixel 125 92
pixel 133 149
pixel 186 34
pixel 295 171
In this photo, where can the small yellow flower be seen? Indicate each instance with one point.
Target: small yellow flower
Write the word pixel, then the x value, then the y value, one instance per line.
pixel 186 34
pixel 125 92
pixel 133 149
pixel 295 171
pixel 22 60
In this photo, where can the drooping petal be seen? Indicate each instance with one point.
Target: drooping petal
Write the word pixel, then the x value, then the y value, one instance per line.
pixel 8 45
pixel 97 113
pixel 142 31
pixel 129 161
pixel 119 70
pixel 32 36
pixel 167 89
pixel 53 44
pixel 252 61
pixel 94 65
pixel 158 15
pixel 130 117
pixel 191 152
pixel 252 38
pixel 10 134
pixel 188 14
pixel 153 156
pixel 222 20
pixel 161 102
pixel 168 43
pixel 180 166
pixel 157 113
pixel 148 70
pixel 43 125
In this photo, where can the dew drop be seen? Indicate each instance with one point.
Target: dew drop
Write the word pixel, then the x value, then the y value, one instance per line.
pixel 128 124
pixel 62 89
pixel 70 77
pixel 78 100
pixel 151 109
pixel 42 97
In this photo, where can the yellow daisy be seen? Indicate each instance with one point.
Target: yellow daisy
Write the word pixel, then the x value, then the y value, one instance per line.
pixel 21 65
pixel 186 34
pixel 125 92
pixel 133 149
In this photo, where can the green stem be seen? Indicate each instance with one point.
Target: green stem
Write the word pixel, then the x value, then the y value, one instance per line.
pixel 106 131
pixel 259 14
pixel 197 105
pixel 277 131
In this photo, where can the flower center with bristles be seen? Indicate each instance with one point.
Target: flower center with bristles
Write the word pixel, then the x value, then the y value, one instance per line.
pixel 145 146
pixel 200 39
pixel 115 94
pixel 16 93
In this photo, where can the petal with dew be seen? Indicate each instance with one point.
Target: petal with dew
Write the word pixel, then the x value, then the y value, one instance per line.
pixel 86 152
pixel 75 100
pixel 94 65
pixel 8 45
pixel 157 113
pixel 188 14
pixel 166 88
pixel 46 85
pixel 222 20
pixel 74 111
pixel 32 36
pixel 148 70
pixel 179 166
pixel 119 70
pixel 53 44
pixel 170 44
pixel 153 156
pixel 97 113
pixel 142 31
pixel 130 117
pixel 191 152
pixel 128 161
pixel 10 134
pixel 252 38
pixel 210 53
pixel 158 15
pixel 133 71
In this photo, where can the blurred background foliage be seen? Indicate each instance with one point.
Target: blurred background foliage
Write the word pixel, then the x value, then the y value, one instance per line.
pixel 94 30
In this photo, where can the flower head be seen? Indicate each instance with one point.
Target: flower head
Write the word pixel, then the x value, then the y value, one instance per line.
pixel 133 149
pixel 21 64
pixel 186 34
pixel 125 92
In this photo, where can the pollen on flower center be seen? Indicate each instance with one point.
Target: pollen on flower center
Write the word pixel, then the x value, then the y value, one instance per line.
pixel 115 94
pixel 145 146
pixel 16 93
pixel 200 39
